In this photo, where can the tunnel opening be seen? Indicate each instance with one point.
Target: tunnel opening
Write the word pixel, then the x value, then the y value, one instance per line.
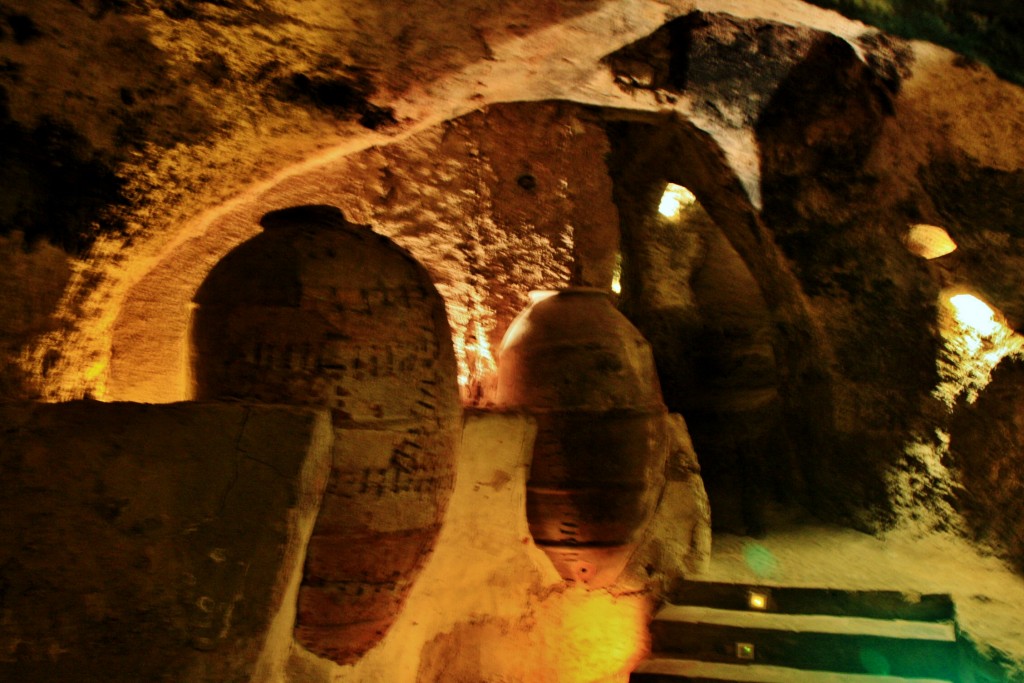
pixel 319 312
pixel 716 356
pixel 701 280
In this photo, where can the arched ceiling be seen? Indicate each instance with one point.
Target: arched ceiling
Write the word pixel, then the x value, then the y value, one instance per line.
pixel 192 112
pixel 146 138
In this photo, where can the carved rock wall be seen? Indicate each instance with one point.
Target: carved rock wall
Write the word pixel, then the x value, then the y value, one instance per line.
pixel 987 452
pixel 166 543
pixel 811 141
pixel 160 543
pixel 493 205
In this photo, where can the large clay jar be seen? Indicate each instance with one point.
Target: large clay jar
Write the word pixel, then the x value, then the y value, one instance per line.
pixel 588 376
pixel 318 312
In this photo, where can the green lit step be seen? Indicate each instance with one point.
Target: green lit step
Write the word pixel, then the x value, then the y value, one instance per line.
pixel 817 623
pixel 808 641
pixel 660 670
pixel 884 604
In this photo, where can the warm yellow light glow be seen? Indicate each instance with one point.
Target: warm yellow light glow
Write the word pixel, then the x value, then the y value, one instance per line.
pixel 973 313
pixel 601 633
pixel 975 340
pixel 757 600
pixel 928 241
pixel 480 348
pixel 617 275
pixel 674 198
pixel 95 370
pixel 476 364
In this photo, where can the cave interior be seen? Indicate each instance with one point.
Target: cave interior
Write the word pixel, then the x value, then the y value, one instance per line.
pixel 265 259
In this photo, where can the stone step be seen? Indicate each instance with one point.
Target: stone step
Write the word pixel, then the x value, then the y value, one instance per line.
pixel 661 670
pixel 808 623
pixel 795 600
pixel 807 641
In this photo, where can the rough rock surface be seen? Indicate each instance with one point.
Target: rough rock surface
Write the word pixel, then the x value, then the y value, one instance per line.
pixel 986 453
pixel 978 29
pixel 157 130
pixel 37 276
pixel 832 122
pixel 157 543
pixel 677 543
pixel 166 543
pixel 494 204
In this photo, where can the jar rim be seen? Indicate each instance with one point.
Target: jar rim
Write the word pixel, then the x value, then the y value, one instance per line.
pixel 538 295
pixel 304 214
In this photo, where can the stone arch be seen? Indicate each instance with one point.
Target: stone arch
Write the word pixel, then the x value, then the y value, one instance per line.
pixel 647 154
pixel 484 287
pixel 463 210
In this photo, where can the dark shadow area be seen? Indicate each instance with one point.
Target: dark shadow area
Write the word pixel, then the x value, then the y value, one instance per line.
pixel 984 30
pixel 55 185
pixel 723 325
pixel 822 205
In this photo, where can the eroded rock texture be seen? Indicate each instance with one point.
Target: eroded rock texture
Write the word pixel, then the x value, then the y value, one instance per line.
pixel 840 144
pixel 159 132
pixel 157 543
pixel 987 452
pixel 848 158
pixel 493 205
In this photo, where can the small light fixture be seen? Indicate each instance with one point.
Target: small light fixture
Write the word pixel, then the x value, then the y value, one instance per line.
pixel 745 651
pixel 928 241
pixel 757 600
pixel 974 314
pixel 674 198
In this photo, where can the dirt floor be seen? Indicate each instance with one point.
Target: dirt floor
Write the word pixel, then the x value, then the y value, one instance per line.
pixel 800 550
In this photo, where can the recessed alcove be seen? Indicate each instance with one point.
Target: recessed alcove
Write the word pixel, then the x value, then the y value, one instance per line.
pixel 732 403
pixel 705 283
pixel 451 196
pixel 504 152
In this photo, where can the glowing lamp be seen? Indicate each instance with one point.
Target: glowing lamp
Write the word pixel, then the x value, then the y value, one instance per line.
pixel 928 241
pixel 974 314
pixel 617 275
pixel 757 600
pixel 674 198
pixel 745 651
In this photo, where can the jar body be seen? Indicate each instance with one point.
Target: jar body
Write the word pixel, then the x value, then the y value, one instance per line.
pixel 587 376
pixel 318 312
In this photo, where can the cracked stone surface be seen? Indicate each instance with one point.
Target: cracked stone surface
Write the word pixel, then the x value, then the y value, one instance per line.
pixel 144 137
pixel 153 542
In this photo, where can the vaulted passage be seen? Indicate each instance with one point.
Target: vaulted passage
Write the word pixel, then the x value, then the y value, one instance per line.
pixel 260 257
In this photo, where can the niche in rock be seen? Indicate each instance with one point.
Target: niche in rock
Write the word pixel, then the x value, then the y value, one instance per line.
pixel 733 410
pixel 316 311
pixel 712 333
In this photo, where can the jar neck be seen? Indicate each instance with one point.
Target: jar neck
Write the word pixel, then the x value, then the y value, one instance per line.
pixel 539 295
pixel 319 215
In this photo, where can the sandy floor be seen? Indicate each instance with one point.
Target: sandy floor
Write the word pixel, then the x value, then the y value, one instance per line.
pixel 801 551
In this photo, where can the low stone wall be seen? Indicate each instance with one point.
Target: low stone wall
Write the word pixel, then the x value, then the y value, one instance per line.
pixel 153 543
pixel 166 543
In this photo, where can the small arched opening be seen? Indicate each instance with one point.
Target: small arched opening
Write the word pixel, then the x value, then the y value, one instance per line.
pixel 703 281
